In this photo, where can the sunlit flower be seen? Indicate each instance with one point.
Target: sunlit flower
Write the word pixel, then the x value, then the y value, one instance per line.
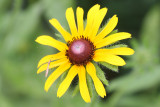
pixel 82 48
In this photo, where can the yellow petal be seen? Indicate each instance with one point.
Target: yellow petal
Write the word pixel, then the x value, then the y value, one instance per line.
pixel 71 21
pixel 67 81
pixel 60 29
pixel 97 83
pixel 47 40
pixel 83 85
pixel 50 80
pixel 97 22
pixel 51 58
pixel 112 39
pixel 90 18
pixel 109 58
pixel 117 51
pixel 108 28
pixel 80 14
pixel 52 65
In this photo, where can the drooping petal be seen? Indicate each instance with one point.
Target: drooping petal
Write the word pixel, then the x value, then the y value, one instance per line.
pixel 71 21
pixel 51 58
pixel 52 64
pixel 67 37
pixel 108 28
pixel 47 40
pixel 67 81
pixel 112 39
pixel 97 22
pixel 90 18
pixel 109 58
pixel 83 85
pixel 50 80
pixel 80 14
pixel 97 83
pixel 116 51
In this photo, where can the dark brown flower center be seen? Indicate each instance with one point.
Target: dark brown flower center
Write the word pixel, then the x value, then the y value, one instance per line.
pixel 80 51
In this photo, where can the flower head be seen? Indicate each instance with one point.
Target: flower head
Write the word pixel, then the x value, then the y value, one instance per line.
pixel 82 50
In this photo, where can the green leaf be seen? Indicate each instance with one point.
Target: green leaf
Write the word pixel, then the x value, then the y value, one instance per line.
pixel 134 43
pixel 109 66
pixel 117 46
pixel 90 85
pixel 113 32
pixel 60 37
pixel 103 26
pixel 101 74
pixel 85 23
pixel 63 76
pixel 76 90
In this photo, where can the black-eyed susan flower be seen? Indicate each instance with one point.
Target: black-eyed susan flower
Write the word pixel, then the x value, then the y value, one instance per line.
pixel 82 50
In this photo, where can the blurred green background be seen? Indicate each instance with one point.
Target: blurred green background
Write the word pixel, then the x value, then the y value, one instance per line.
pixel 136 85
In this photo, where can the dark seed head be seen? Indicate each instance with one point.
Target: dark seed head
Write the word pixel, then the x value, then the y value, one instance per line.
pixel 81 51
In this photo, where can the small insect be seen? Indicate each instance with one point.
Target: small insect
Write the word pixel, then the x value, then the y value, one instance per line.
pixel 47 70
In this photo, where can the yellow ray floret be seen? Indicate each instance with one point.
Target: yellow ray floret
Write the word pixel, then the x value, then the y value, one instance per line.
pixel 116 51
pixel 109 58
pixel 71 21
pixel 90 18
pixel 97 83
pixel 47 40
pixel 52 64
pixel 83 85
pixel 62 68
pixel 51 58
pixel 97 22
pixel 80 14
pixel 67 37
pixel 108 28
pixel 67 81
pixel 112 39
